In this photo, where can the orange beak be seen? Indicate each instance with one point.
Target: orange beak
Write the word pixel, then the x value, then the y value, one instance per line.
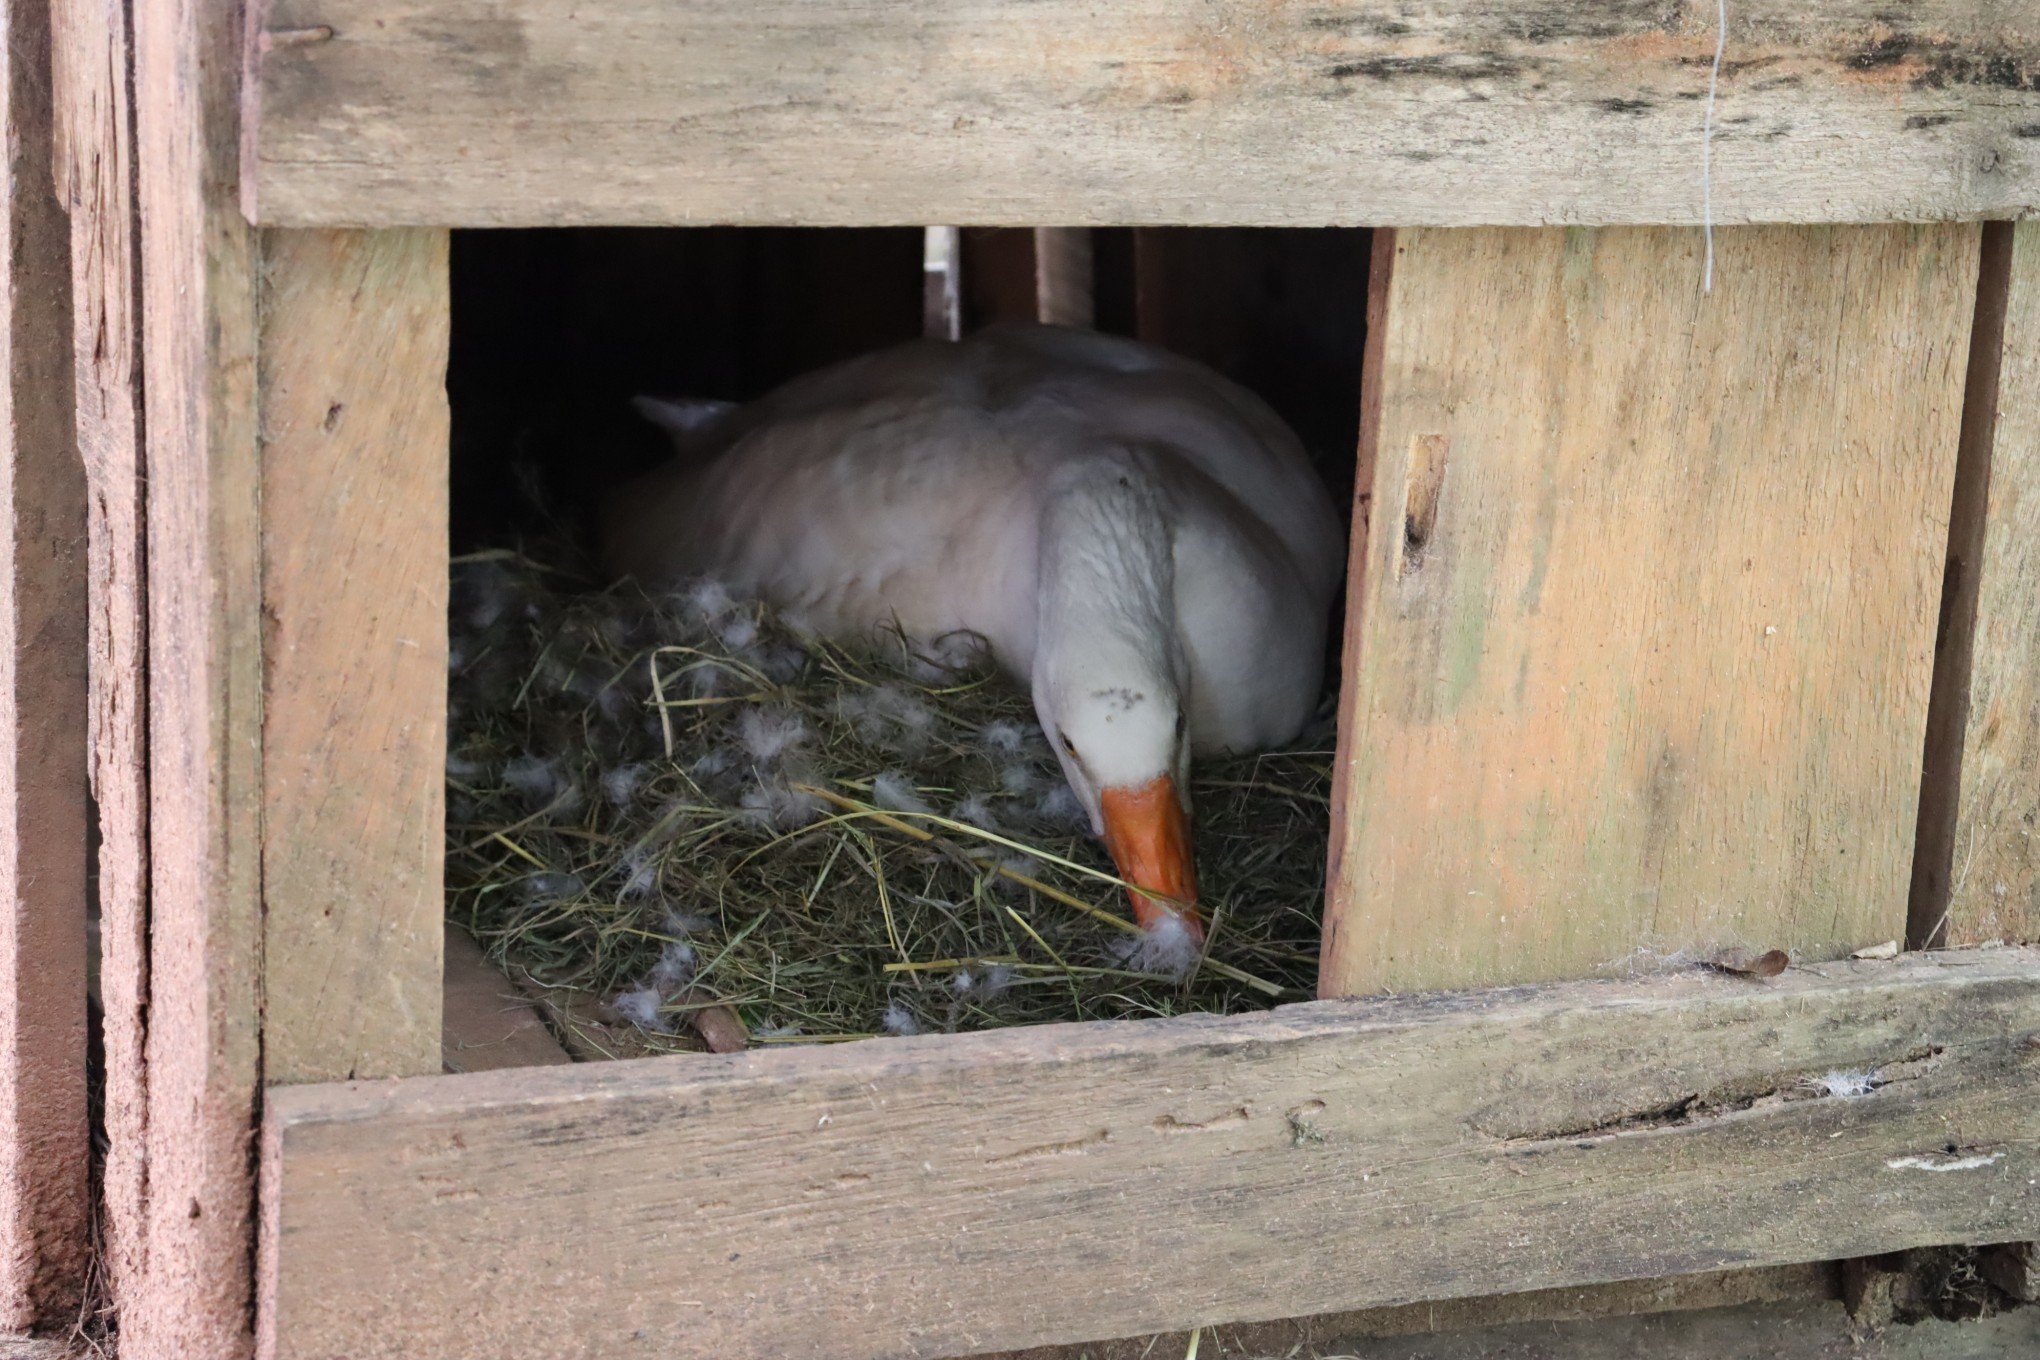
pixel 1149 837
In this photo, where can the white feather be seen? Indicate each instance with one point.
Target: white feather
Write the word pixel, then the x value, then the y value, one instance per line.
pixel 1165 948
pixel 769 734
pixel 640 1006
pixel 894 792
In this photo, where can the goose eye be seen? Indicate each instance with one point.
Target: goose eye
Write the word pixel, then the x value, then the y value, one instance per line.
pixel 1182 725
pixel 1067 744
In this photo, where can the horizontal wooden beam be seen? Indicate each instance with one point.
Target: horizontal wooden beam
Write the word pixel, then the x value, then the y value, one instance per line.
pixel 948 1195
pixel 1505 112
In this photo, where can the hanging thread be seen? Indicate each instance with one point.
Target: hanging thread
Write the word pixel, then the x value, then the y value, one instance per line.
pixel 1707 145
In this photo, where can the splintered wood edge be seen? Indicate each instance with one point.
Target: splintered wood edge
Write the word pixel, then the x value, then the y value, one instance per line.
pixel 369 1102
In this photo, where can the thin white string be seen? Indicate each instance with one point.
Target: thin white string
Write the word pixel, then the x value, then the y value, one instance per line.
pixel 1707 144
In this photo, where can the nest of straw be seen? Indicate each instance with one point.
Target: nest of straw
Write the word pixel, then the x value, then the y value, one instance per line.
pixel 682 804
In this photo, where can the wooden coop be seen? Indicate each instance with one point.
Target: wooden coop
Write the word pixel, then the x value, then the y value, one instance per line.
pixel 1696 552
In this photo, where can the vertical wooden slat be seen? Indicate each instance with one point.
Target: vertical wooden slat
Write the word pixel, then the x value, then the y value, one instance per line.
pixel 1989 861
pixel 942 283
pixel 99 188
pixel 354 505
pixel 1063 277
pixel 1645 630
pixel 205 685
pixel 44 1200
pixel 1948 707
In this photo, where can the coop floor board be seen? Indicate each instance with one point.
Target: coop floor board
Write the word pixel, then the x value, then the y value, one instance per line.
pixel 923 1197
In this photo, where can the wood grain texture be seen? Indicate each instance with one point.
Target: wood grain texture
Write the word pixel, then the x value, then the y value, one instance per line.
pixel 1344 112
pixel 1994 874
pixel 205 686
pixel 352 374
pixel 1645 627
pixel 489 1022
pixel 924 1197
pixel 99 189
pixel 44 1138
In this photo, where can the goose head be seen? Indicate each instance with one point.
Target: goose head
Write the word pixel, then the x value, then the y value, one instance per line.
pixel 1111 681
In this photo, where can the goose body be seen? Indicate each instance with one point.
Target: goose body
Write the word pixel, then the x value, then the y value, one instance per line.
pixel 1142 542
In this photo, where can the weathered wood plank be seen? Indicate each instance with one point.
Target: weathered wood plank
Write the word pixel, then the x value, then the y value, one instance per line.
pixel 1992 858
pixel 99 188
pixel 1644 635
pixel 922 1197
pixel 44 1139
pixel 1346 112
pixel 352 377
pixel 1333 1333
pixel 489 1022
pixel 205 685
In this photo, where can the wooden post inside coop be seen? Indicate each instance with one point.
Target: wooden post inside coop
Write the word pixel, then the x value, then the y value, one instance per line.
pixel 44 947
pixel 1642 629
pixel 1978 873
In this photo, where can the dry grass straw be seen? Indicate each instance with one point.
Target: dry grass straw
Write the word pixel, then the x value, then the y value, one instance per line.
pixel 687 800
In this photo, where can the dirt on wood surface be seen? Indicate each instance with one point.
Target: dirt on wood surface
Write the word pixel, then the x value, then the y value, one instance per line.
pixel 1803 1331
pixel 1774 1313
pixel 1806 1330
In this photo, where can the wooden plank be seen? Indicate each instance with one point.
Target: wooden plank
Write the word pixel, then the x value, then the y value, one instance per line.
pixel 1642 654
pixel 205 685
pixel 1954 641
pixel 1347 112
pixel 922 1197
pixel 1279 312
pixel 942 283
pixel 1331 1333
pixel 1991 860
pixel 489 1022
pixel 44 1137
pixel 1064 277
pixel 99 189
pixel 1806 1330
pixel 352 375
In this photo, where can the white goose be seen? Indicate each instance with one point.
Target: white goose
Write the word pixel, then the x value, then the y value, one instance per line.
pixel 1142 542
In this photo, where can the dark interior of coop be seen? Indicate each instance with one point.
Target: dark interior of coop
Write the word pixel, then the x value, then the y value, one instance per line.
pixel 555 332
